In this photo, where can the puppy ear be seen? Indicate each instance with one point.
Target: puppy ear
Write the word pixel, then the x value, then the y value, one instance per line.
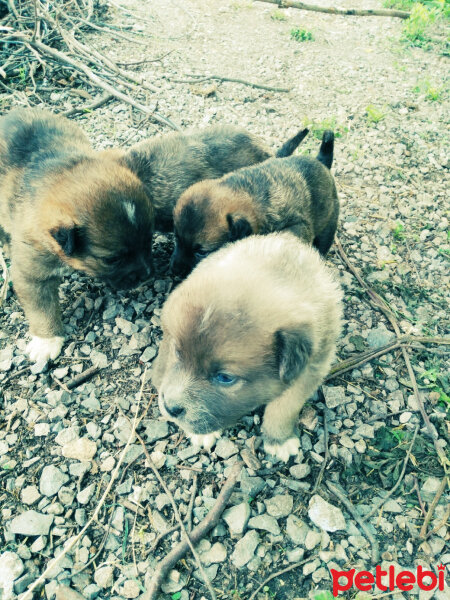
pixel 293 347
pixel 238 227
pixel 71 239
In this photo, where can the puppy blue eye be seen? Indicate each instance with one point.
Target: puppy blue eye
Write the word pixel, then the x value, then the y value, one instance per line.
pixel 200 254
pixel 224 379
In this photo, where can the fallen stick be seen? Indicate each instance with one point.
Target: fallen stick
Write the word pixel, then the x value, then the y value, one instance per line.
pixel 392 490
pixel 423 530
pixel 180 550
pixel 63 58
pixel 258 86
pixel 354 12
pixel 325 442
pixel 82 377
pixel 88 107
pixel 339 493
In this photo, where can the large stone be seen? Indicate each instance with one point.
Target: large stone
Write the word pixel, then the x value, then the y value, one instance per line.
pixel 279 506
pixel 334 396
pixel 300 471
pixel 266 523
pixel 325 515
pixel 64 592
pixel 296 530
pixel 245 549
pixel 379 337
pixel 80 449
pixel 216 554
pixel 52 479
pixel 11 567
pixel 155 430
pixel 103 576
pixel 31 523
pixel 236 518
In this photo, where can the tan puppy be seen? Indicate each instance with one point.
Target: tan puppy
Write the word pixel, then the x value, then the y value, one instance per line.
pixel 296 194
pixel 64 205
pixel 169 164
pixel 255 324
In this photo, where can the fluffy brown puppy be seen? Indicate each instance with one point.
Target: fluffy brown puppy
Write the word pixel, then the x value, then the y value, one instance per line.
pixel 297 194
pixel 64 205
pixel 169 164
pixel 254 324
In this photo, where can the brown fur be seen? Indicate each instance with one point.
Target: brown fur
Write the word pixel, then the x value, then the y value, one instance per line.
pixel 265 310
pixel 294 194
pixel 64 205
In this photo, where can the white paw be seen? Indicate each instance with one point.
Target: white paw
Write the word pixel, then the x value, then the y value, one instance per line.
pixel 283 451
pixel 44 349
pixel 206 441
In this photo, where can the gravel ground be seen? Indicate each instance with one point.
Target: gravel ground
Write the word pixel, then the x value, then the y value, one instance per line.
pixel 59 448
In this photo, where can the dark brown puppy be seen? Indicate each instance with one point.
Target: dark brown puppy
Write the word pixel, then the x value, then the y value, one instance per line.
pixel 255 324
pixel 64 205
pixel 294 194
pixel 169 164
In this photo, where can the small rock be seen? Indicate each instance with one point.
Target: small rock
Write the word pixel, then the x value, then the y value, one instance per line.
pixel 334 396
pixel 31 523
pixel 300 471
pixel 429 488
pixel 236 518
pixel 312 539
pixel 41 429
pixel 126 327
pixel 296 530
pixel 245 549
pixel 266 523
pixel 80 449
pixel 51 480
pixel 279 506
pixel 108 464
pixel 311 567
pixel 216 554
pixel 130 589
pixel 64 592
pixel 30 494
pixel 103 577
pixel 11 567
pixel 225 448
pixel 379 337
pixel 148 354
pixel 325 515
pixel 85 495
pixel 251 486
pixel 155 430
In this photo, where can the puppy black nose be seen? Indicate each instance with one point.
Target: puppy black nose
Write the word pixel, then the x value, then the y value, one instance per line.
pixel 174 411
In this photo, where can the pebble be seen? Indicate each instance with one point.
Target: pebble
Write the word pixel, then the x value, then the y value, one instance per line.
pixel 216 554
pixel 11 567
pixel 279 506
pixel 379 337
pixel 300 471
pixel 155 430
pixel 85 495
pixel 236 518
pixel 334 396
pixel 31 522
pixel 325 515
pixel 80 449
pixel 52 479
pixel 103 576
pixel 64 592
pixel 108 464
pixel 244 549
pixel 30 494
pixel 67 435
pixel 130 589
pixel 225 448
pixel 312 539
pixel 266 523
pixel 41 429
pixel 296 529
pixel 429 488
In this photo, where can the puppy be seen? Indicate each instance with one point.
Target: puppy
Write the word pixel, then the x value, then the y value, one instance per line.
pixel 64 205
pixel 169 164
pixel 255 324
pixel 297 194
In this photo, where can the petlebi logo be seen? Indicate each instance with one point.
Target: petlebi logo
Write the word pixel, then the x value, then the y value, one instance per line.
pixel 388 580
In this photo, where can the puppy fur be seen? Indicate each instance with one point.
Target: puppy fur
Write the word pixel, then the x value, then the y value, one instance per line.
pixel 255 324
pixel 169 164
pixel 64 205
pixel 296 194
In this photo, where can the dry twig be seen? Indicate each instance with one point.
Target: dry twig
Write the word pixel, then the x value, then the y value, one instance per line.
pixel 423 530
pixel 196 534
pixel 339 493
pixel 355 12
pixel 278 574
pixel 82 377
pixel 201 78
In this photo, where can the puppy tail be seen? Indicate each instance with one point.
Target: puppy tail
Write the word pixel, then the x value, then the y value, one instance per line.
pixel 288 147
pixel 325 155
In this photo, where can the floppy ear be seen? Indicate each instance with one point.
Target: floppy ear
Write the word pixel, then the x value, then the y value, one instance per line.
pixel 293 347
pixel 238 227
pixel 71 239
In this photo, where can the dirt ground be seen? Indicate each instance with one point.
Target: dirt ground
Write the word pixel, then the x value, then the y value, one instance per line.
pixel 388 105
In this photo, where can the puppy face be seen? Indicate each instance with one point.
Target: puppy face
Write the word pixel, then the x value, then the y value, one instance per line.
pixel 207 216
pixel 217 364
pixel 97 219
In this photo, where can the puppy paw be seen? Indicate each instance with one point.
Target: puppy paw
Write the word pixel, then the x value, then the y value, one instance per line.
pixel 44 349
pixel 204 441
pixel 285 450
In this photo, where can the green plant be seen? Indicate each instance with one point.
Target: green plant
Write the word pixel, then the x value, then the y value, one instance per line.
pixel 318 128
pixel 374 114
pixel 414 29
pixel 397 232
pixel 432 92
pixel 324 596
pixel 301 35
pixel 278 15
pixel 176 596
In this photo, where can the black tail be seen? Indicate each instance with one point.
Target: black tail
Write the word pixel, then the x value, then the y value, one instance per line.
pixel 325 155
pixel 288 147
